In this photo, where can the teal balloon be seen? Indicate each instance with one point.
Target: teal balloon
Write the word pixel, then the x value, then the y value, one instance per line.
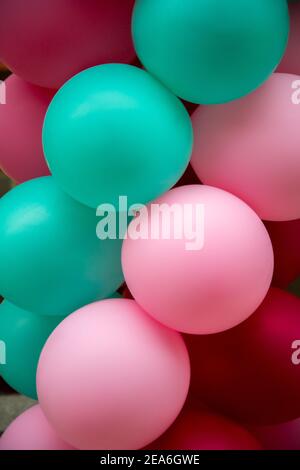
pixel 52 262
pixel 24 335
pixel 210 51
pixel 114 130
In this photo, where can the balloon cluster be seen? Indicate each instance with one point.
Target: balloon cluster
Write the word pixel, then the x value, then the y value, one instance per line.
pixel 201 352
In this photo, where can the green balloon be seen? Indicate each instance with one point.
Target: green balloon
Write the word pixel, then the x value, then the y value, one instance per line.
pixel 114 130
pixel 24 335
pixel 52 261
pixel 210 51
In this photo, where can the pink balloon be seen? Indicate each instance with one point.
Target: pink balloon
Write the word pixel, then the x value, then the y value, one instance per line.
pixel 198 288
pixel 285 238
pixel 252 372
pixel 31 431
pixel 110 377
pixel 284 436
pixel 250 147
pixel 202 430
pixel 48 42
pixel 21 122
pixel 291 59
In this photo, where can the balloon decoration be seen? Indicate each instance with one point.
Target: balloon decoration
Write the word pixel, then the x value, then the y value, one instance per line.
pixel 215 265
pixel 154 153
pixel 121 375
pixel 48 42
pixel 21 122
pixel 250 148
pixel 250 372
pixel 207 51
pixel 31 431
pixel 51 259
pixel 104 138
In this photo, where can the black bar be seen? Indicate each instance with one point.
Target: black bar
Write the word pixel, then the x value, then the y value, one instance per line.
pixel 145 459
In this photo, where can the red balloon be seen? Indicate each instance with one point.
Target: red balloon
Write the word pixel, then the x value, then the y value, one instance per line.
pixel 47 42
pixel 290 62
pixel 202 430
pixel 250 372
pixel 21 122
pixel 285 237
pixel 188 177
pixel 190 107
pixel 125 292
pixel 284 436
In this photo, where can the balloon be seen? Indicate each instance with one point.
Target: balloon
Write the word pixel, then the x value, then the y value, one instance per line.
pixel 190 107
pixel 47 42
pixel 201 430
pixel 51 259
pixel 213 268
pixel 24 334
pixel 284 436
pixel 31 431
pixel 207 51
pixel 251 148
pixel 21 122
pixel 285 238
pixel 290 62
pixel 250 372
pixel 126 293
pixel 110 377
pixel 189 177
pixel 115 131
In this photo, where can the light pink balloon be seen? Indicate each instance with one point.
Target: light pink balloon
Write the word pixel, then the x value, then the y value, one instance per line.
pixel 250 147
pixel 284 436
pixel 209 288
pixel 291 59
pixel 110 377
pixel 47 42
pixel 31 431
pixel 21 122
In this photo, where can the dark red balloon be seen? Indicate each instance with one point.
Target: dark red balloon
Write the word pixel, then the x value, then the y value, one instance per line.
pixel 285 238
pixel 46 42
pixel 188 177
pixel 190 107
pixel 125 292
pixel 284 436
pixel 201 430
pixel 248 373
pixel 290 62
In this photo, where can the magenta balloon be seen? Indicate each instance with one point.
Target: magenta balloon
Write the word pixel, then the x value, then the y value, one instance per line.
pixel 31 431
pixel 46 42
pixel 21 122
